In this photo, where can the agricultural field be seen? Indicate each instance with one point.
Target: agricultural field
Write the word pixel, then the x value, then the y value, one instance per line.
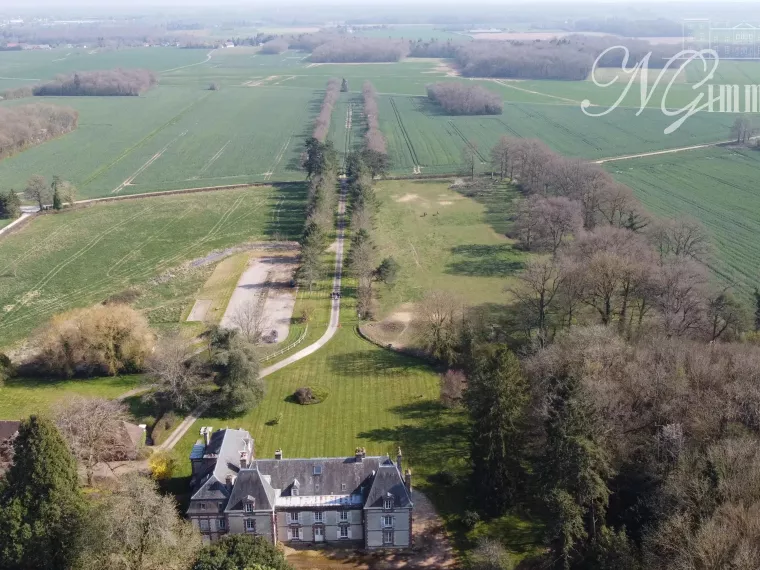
pixel 716 186
pixel 80 257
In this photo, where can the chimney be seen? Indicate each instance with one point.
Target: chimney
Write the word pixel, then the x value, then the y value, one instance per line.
pixel 244 459
pixel 206 433
pixel 228 482
pixel 359 455
pixel 278 454
pixel 399 457
pixel 408 481
pixel 249 447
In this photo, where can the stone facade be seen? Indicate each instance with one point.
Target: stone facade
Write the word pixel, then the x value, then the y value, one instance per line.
pixel 357 500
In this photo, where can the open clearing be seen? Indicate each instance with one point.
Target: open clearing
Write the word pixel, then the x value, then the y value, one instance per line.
pixel 77 258
pixel 265 287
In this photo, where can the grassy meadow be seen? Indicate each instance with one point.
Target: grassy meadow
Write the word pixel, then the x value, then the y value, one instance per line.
pixel 79 257
pixel 444 241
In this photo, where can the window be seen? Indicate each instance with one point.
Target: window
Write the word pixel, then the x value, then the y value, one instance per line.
pixel 203 506
pixel 249 507
pixel 250 525
pixel 343 532
pixel 204 525
pixel 317 470
pixel 387 537
pixel 387 521
pixel 388 503
pixel 222 524
pixel 316 487
pixel 344 515
pixel 295 533
pixel 294 517
pixel 318 516
pixel 294 492
pixel 342 486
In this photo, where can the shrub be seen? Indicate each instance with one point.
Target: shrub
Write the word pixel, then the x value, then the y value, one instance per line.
pixel 126 297
pixel 6 368
pixel 470 519
pixel 213 87
pixel 162 465
pixel 99 340
pixel 160 428
pixel 307 395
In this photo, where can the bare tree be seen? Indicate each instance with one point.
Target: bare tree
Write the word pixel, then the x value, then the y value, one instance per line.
pixel 500 155
pixel 743 129
pixel 470 157
pixel 464 99
pixel 453 384
pixel 537 288
pixel 37 190
pixel 24 126
pixel 682 238
pixel 439 319
pixel 726 316
pixel 681 300
pixel 250 319
pixel 176 372
pixel 94 428
pixel 138 528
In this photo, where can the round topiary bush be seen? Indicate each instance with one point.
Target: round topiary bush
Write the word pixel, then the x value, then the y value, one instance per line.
pixel 309 395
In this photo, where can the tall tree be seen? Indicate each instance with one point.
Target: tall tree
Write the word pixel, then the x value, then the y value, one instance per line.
pixel 575 468
pixel 137 528
pixel 41 508
pixel 240 386
pixel 37 190
pixel 496 398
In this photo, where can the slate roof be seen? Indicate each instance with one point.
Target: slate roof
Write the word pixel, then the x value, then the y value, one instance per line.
pixel 226 445
pixel 336 480
pixel 388 481
pixel 251 484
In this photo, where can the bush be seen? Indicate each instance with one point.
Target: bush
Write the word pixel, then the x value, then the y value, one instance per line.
pixel 445 478
pixel 307 396
pixel 213 87
pixel 162 465
pixel 241 551
pixel 160 428
pixel 470 519
pixel 126 297
pixel 6 368
pixel 100 340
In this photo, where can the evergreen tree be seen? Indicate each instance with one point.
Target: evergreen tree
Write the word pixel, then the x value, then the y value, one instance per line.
pixel 575 468
pixel 41 509
pixel 240 386
pixel 496 397
pixel 344 86
pixel 57 202
pixel 320 157
pixel 387 271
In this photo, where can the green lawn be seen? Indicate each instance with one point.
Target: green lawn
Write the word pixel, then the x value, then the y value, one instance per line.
pixel 444 240
pixel 79 257
pixel 21 397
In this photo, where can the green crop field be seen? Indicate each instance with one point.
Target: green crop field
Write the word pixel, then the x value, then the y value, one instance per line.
pixel 716 186
pixel 79 257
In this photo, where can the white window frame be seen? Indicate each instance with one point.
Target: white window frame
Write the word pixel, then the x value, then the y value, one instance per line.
pixel 388 503
pixel 248 508
pixel 250 525
pixel 295 533
pixel 222 524
pixel 387 521
pixel 343 516
pixel 344 530
pixel 342 486
pixel 294 516
pixel 319 516
pixel 204 525
pixel 294 492
pixel 388 538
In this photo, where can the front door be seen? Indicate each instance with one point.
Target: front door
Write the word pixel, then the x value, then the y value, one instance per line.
pixel 319 533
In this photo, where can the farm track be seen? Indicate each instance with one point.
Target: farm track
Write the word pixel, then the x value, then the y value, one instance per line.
pixel 278 159
pixel 174 120
pixel 468 142
pixel 405 134
pixel 212 160
pixel 144 167
pixel 208 58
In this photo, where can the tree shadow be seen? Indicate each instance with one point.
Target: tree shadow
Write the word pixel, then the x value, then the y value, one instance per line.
pixel 287 206
pixel 480 260
pixel 368 362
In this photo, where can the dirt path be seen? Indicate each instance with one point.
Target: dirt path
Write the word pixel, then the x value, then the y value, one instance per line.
pixel 208 58
pixel 658 152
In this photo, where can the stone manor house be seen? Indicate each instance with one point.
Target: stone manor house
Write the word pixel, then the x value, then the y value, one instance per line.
pixel 359 500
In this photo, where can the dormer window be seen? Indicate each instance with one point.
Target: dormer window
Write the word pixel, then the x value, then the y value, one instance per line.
pixel 388 503
pixel 249 506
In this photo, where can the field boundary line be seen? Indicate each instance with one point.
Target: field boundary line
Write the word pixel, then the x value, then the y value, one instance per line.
pixel 659 152
pixel 507 84
pixel 144 167
pixel 212 160
pixel 405 134
pixel 278 159
pixel 467 141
